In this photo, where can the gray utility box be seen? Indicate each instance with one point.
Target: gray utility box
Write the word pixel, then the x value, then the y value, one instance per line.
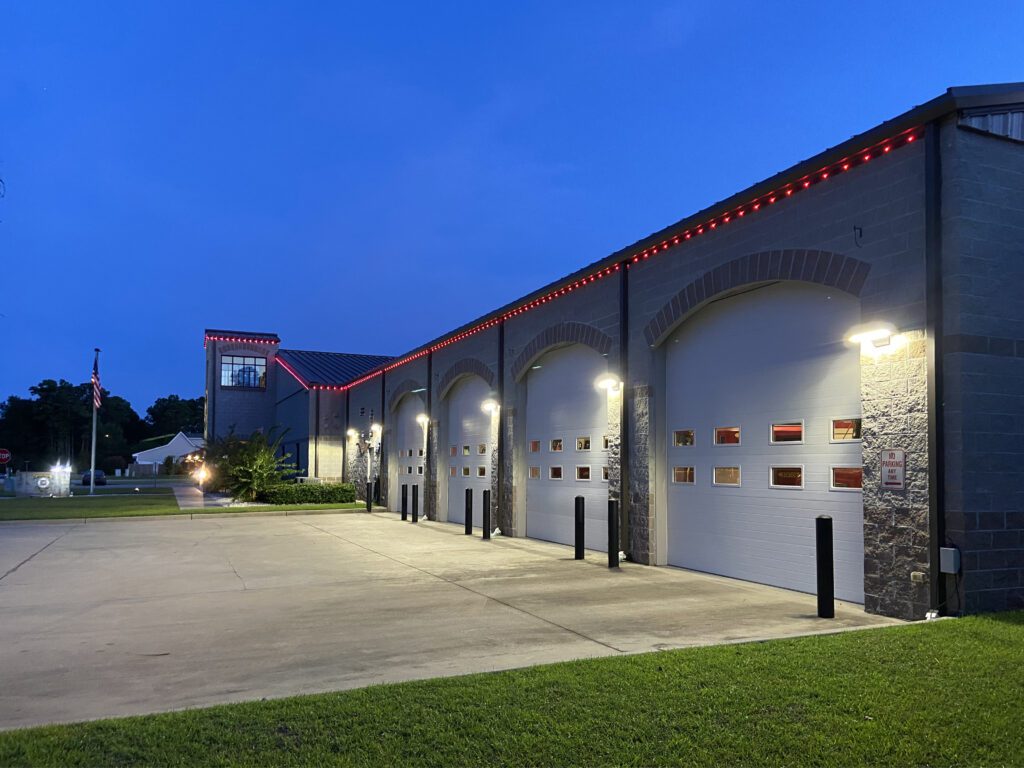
pixel 949 560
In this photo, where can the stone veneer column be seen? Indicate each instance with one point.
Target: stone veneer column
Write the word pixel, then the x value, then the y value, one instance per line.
pixel 896 540
pixel 503 497
pixel 640 542
pixel 430 474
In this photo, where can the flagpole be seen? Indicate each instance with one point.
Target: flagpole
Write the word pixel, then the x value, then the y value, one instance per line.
pixel 92 460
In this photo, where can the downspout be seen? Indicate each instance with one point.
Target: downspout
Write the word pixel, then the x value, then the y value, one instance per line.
pixel 347 440
pixel 316 439
pixel 502 502
pixel 429 508
pixel 624 444
pixel 934 323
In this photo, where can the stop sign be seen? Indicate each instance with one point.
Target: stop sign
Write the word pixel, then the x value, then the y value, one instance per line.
pixel 5 455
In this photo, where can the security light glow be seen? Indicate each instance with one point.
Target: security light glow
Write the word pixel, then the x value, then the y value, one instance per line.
pixel 607 382
pixel 878 334
pixel 375 427
pixel 422 420
pixel 352 433
pixel 490 405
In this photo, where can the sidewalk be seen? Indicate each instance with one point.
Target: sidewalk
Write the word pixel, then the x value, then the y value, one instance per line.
pixel 192 498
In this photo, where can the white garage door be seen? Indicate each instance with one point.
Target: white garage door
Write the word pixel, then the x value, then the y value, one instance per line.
pixel 407 454
pixel 566 453
pixel 469 449
pixel 763 409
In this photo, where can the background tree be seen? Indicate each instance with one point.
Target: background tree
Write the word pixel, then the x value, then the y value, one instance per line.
pixel 172 414
pixel 55 424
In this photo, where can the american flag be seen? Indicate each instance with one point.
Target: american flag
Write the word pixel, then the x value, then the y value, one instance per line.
pixel 97 396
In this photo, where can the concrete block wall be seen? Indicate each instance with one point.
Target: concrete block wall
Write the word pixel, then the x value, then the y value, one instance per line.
pixel 983 361
pixel 365 407
pixel 863 232
pixel 244 410
pixel 480 353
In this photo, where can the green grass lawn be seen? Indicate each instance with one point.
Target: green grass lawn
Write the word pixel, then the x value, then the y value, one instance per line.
pixel 152 501
pixel 937 694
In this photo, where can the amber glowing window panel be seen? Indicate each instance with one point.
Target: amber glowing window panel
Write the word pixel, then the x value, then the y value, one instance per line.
pixel 847 478
pixel 844 430
pixel 787 477
pixel 684 475
pixel 727 476
pixel 683 438
pixel 727 436
pixel 788 432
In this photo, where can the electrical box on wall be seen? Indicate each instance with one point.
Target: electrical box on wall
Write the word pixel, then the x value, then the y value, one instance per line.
pixel 949 560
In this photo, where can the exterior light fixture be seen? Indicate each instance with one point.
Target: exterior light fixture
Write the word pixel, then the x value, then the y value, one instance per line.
pixel 352 433
pixel 877 339
pixel 422 420
pixel 375 427
pixel 607 381
pixel 490 405
pixel 879 335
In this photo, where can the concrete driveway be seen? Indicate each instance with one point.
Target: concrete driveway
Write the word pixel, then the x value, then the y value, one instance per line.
pixel 144 615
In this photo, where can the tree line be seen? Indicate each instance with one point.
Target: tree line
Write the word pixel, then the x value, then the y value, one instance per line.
pixel 55 424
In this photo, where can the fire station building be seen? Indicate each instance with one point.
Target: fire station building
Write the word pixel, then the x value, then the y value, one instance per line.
pixel 845 338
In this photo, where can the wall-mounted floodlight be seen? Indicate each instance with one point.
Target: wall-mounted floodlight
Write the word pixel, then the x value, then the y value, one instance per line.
pixel 490 405
pixel 375 427
pixel 608 382
pixel 422 420
pixel 876 338
pixel 352 433
pixel 876 334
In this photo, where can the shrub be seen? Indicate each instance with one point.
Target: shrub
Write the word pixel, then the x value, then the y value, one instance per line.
pixel 308 493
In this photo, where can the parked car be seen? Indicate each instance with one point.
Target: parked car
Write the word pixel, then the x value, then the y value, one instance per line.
pixel 101 477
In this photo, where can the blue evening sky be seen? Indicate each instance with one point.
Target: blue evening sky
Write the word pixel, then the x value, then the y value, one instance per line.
pixel 364 176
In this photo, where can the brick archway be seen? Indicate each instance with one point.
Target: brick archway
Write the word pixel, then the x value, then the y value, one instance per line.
pixel 467 366
pixel 403 389
pixel 560 335
pixel 833 270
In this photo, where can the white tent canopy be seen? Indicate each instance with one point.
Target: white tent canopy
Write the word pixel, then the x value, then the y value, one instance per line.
pixel 179 445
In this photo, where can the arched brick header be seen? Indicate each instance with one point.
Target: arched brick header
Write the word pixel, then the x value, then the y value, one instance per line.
pixel 467 366
pixel 822 267
pixel 401 391
pixel 560 335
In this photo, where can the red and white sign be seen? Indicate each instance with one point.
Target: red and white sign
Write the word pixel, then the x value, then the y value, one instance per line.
pixel 5 455
pixel 894 469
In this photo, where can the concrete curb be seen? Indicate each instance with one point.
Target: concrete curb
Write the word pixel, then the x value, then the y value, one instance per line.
pixel 190 516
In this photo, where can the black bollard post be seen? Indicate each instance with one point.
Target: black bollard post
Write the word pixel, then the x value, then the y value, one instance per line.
pixel 613 533
pixel 579 527
pixel 826 574
pixel 415 503
pixel 369 496
pixel 486 512
pixel 469 511
pixel 405 501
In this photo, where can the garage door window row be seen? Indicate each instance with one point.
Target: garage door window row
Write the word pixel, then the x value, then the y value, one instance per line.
pixel 846 430
pixel 481 471
pixel 841 478
pixel 481 450
pixel 583 472
pixel 557 445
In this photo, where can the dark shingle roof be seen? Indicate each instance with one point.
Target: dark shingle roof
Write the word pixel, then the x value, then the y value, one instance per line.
pixel 330 368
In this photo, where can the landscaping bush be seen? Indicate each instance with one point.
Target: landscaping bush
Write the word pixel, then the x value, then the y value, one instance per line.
pixel 308 493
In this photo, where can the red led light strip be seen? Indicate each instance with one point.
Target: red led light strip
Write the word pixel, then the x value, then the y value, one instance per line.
pixel 207 339
pixel 754 206
pixel 298 378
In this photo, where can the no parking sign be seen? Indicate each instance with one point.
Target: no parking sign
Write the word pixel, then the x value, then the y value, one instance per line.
pixel 894 469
